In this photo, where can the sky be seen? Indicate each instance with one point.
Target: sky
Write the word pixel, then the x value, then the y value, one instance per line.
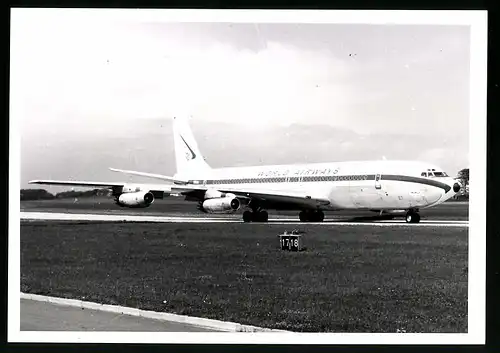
pixel 87 90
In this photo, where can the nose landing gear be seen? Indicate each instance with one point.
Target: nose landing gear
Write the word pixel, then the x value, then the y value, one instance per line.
pixel 412 216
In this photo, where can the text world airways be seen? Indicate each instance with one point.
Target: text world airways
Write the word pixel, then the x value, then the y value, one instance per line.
pixel 298 172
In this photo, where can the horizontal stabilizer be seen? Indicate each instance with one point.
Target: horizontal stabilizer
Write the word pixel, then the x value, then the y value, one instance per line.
pixel 150 175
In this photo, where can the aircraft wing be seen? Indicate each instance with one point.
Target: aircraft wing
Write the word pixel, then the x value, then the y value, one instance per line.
pixel 275 198
pixel 77 183
pixel 267 197
pixel 109 185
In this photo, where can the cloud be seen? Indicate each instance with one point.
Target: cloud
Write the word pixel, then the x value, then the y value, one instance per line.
pixel 80 79
pixel 83 74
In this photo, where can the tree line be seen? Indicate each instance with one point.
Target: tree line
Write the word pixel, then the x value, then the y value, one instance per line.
pixel 463 177
pixel 42 194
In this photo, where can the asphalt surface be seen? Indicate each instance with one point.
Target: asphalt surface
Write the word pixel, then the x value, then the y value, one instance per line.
pixel 43 316
pixel 178 207
pixel 279 220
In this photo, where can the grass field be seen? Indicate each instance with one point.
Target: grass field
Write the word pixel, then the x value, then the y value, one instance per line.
pixel 349 279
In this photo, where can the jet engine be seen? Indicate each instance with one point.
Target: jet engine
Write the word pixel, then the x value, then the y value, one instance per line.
pixel 135 199
pixel 220 205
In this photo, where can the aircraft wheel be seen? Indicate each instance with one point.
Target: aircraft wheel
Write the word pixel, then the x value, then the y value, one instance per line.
pixel 262 216
pixel 247 216
pixel 412 217
pixel 312 216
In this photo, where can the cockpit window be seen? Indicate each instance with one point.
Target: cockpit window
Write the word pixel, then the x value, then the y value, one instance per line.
pixel 430 174
pixel 433 174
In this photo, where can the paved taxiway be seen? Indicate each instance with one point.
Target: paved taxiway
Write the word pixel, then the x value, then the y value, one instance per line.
pixel 52 216
pixel 43 316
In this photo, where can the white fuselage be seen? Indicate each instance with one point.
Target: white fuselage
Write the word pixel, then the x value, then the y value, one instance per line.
pixel 370 185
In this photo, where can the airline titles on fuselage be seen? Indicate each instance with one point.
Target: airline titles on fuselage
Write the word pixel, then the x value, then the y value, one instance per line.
pixel 298 172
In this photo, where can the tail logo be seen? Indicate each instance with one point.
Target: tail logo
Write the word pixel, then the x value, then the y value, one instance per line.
pixel 191 154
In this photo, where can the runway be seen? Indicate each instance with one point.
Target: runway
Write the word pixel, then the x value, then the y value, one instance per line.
pixel 283 220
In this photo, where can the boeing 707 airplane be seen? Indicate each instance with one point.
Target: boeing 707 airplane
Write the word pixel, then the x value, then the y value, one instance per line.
pixel 384 186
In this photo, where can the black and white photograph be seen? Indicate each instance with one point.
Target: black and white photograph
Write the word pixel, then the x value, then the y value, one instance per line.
pixel 250 176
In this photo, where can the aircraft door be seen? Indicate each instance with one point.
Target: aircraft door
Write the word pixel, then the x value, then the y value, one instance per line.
pixel 377 181
pixel 365 196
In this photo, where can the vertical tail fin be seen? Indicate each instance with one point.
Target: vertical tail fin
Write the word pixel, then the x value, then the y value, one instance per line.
pixel 188 158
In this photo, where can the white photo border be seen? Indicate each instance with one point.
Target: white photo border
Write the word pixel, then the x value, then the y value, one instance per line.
pixel 477 20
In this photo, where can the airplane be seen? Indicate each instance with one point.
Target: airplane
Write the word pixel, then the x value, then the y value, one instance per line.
pixel 384 186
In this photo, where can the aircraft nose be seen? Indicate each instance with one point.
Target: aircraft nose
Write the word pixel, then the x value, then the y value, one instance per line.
pixel 456 187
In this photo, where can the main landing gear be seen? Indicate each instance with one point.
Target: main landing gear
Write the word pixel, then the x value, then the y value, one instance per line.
pixel 412 216
pixel 255 216
pixel 311 216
